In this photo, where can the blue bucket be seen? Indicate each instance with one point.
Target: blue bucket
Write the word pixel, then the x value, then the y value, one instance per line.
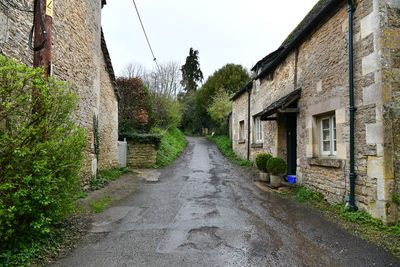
pixel 291 179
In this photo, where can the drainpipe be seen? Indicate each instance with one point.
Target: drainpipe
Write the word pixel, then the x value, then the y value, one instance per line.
pixel 248 124
pixel 352 109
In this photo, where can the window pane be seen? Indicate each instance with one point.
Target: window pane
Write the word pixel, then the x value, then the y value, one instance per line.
pixel 326 146
pixel 334 146
pixel 325 124
pixel 325 135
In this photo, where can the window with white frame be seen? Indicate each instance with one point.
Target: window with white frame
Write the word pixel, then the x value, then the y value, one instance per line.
pixel 241 130
pixel 257 130
pixel 327 135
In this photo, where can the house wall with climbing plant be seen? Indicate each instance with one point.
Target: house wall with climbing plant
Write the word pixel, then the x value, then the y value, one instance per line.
pixel 80 57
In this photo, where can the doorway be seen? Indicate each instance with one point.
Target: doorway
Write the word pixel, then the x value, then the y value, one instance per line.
pixel 291 128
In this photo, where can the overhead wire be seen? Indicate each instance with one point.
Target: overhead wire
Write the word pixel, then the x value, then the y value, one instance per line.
pixel 145 34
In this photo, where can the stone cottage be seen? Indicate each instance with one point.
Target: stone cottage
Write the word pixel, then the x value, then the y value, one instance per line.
pixel 328 101
pixel 79 56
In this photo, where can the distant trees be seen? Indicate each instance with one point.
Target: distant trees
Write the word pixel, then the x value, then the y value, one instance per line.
pixel 163 85
pixel 176 100
pixel 213 99
pixel 165 80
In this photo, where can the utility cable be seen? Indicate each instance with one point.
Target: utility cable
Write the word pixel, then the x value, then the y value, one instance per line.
pixel 145 34
pixel 40 47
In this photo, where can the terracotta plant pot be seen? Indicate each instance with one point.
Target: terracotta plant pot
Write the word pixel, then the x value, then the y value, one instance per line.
pixel 264 177
pixel 276 180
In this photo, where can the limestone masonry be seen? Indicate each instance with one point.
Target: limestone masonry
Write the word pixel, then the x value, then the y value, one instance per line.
pixel 141 155
pixel 312 130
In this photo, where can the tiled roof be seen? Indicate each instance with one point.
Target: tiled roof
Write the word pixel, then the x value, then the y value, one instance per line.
pixel 109 67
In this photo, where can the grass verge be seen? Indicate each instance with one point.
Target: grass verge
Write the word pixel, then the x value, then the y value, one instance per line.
pixel 172 145
pixel 225 146
pixel 100 204
pixel 359 223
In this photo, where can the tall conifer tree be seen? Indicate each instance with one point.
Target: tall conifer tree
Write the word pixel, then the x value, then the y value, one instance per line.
pixel 191 72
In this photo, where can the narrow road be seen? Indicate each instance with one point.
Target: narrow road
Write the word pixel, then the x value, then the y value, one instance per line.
pixel 207 212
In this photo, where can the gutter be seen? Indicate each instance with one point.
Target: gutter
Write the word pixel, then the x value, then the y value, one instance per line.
pixel 248 86
pixel 248 123
pixel 352 108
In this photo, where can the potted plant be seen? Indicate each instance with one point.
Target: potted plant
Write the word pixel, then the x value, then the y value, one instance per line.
pixel 261 162
pixel 276 167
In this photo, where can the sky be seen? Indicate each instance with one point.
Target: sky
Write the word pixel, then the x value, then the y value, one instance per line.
pixel 223 31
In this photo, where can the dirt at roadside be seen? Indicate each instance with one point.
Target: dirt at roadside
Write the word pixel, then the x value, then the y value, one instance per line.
pixel 78 225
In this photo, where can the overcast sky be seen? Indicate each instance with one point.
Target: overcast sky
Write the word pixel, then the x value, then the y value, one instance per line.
pixel 223 31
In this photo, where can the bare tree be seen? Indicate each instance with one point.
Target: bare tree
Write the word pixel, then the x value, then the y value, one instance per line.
pixel 134 70
pixel 165 80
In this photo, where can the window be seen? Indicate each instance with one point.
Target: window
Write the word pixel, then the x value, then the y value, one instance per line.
pixel 241 130
pixel 257 130
pixel 327 135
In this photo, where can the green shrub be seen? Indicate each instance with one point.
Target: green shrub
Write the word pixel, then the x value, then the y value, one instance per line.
pixel 172 145
pixel 276 166
pixel 40 154
pixel 261 161
pixel 246 163
pixel 396 199
pixel 142 138
pixel 304 194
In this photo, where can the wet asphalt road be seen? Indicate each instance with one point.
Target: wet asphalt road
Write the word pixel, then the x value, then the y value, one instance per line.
pixel 207 212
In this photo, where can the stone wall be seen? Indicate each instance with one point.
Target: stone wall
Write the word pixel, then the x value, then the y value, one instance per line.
pixel 108 120
pixel 239 113
pixel 77 58
pixel 388 43
pixel 323 77
pixel 319 66
pixel 141 155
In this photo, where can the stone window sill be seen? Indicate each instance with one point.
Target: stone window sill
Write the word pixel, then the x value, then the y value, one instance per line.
pixel 257 145
pixel 325 162
pixel 242 141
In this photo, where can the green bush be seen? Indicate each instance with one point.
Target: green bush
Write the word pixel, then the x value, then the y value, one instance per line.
pixel 142 138
pixel 246 163
pixel 276 166
pixel 304 194
pixel 40 154
pixel 261 161
pixel 172 145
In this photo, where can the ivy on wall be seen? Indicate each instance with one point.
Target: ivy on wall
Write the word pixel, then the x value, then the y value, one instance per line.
pixel 96 136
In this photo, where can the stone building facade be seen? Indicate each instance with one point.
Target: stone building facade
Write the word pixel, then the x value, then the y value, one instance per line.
pixel 300 97
pixel 80 57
